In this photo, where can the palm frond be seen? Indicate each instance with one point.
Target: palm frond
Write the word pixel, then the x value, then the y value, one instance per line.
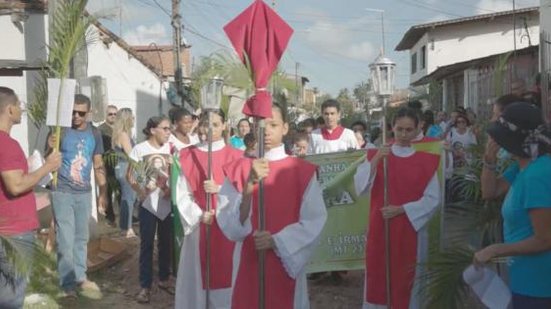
pixel 441 279
pixel 70 32
pixel 20 255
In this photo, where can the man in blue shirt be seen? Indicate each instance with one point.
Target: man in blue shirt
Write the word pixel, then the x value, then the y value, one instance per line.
pixel 82 148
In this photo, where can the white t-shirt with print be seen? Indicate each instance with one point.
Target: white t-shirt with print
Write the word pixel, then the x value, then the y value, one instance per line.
pixel 155 170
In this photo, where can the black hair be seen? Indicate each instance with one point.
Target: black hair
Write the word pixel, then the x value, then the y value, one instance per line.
pixel 249 139
pixel 282 111
pixel 460 110
pixel 309 122
pixel 359 123
pixel 7 97
pixel 152 123
pixel 301 137
pixel 464 117
pixel 82 99
pixel 204 118
pixel 428 120
pixel 407 112
pixel 375 133
pixel 320 121
pixel 177 113
pixel 503 101
pixel 415 104
pixel 331 103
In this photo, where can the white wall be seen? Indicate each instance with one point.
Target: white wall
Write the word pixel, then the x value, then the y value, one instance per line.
pixel 473 40
pixel 15 50
pixel 27 44
pixel 545 15
pixel 129 83
pixel 18 132
pixel 424 41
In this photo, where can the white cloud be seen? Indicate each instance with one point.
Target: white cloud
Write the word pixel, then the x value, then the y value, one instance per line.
pixel 129 11
pixel 339 37
pixel 144 35
pixel 485 6
pixel 439 17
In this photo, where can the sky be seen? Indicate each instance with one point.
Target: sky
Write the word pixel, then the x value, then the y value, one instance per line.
pixel 334 41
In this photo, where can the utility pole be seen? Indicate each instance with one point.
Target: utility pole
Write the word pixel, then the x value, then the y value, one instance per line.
pixel 297 101
pixel 176 48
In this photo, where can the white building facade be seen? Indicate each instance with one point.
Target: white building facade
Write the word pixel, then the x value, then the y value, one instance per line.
pixel 443 51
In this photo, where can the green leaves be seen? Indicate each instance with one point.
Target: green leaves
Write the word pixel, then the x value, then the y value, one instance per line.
pixel 21 255
pixel 235 74
pixel 69 33
pixel 441 281
pixel 470 223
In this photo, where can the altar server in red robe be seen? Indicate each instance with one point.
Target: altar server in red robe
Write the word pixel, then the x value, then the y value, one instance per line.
pixel 332 137
pixel 192 187
pixel 414 196
pixel 295 215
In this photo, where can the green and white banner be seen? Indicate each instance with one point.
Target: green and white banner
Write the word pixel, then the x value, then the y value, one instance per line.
pixel 177 230
pixel 343 239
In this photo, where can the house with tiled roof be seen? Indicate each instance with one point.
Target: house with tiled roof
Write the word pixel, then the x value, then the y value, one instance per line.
pixel 110 70
pixel 466 56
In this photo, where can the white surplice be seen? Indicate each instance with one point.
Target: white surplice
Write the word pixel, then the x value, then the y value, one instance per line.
pixel 318 144
pixel 294 244
pixel 418 212
pixel 189 284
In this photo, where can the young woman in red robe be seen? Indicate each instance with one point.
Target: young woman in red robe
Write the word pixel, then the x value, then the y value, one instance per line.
pixel 295 215
pixel 414 195
pixel 192 188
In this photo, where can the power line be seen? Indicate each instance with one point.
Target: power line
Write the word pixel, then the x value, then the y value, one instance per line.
pixel 155 5
pixel 204 37
pixel 428 7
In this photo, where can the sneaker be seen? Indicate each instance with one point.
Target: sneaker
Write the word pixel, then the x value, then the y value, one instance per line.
pixel 144 296
pixel 130 233
pixel 89 289
pixel 69 294
pixel 167 286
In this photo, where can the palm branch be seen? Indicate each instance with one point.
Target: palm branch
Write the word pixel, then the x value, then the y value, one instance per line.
pixel 441 279
pixel 470 223
pixel 235 74
pixel 21 257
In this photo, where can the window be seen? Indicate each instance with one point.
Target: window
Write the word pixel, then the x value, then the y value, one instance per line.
pixel 413 63
pixel 423 56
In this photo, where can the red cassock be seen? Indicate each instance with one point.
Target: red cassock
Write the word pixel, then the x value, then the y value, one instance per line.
pixel 283 192
pixel 194 167
pixel 407 180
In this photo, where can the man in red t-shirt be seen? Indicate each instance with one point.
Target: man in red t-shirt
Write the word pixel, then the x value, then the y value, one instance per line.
pixel 18 217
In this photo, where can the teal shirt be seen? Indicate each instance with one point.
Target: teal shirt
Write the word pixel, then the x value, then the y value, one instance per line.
pixel 530 275
pixel 237 142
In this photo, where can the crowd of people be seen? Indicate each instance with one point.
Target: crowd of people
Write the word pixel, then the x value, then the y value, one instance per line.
pixel 216 198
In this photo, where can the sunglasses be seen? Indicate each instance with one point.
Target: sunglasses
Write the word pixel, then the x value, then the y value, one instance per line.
pixel 112 114
pixel 79 113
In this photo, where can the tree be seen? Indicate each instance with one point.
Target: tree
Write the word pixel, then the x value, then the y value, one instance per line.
pixel 235 74
pixel 347 103
pixel 361 93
